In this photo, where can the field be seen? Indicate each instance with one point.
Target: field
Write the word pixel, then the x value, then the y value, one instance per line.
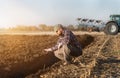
pixel 23 56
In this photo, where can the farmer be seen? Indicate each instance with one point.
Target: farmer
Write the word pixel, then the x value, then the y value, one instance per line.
pixel 67 45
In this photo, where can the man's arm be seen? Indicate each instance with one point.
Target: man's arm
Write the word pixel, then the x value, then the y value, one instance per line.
pixel 61 41
pixel 53 48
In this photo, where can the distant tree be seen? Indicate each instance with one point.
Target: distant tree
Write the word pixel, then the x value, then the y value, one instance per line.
pixel 44 27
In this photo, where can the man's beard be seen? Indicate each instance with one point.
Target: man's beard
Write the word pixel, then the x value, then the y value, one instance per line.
pixel 61 34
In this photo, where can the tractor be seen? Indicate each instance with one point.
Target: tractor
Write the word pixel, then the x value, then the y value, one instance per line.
pixel 112 27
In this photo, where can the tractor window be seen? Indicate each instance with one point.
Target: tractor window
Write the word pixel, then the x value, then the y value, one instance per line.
pixel 117 18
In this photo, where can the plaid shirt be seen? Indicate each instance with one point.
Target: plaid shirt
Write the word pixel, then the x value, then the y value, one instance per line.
pixel 67 38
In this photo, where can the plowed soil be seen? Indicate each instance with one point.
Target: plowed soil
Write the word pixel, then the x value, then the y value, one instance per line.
pixel 23 56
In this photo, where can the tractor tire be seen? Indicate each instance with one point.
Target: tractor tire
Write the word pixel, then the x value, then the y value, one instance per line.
pixel 111 28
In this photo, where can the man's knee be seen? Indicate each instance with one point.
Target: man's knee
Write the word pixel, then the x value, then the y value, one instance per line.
pixel 59 55
pixel 56 53
pixel 66 48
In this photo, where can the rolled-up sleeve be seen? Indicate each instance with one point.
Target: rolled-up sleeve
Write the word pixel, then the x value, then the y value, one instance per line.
pixel 56 46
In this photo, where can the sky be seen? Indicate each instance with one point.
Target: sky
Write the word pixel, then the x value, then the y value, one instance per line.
pixel 51 12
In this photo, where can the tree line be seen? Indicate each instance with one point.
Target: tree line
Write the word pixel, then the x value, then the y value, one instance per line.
pixel 44 27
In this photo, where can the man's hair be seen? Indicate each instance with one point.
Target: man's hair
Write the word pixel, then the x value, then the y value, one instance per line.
pixel 58 26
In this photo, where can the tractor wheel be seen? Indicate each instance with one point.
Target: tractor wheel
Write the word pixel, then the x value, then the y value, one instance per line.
pixel 111 28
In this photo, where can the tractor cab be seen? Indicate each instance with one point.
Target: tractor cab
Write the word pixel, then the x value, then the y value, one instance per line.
pixel 115 18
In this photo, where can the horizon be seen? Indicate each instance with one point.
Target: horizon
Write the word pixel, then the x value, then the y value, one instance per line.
pixel 51 12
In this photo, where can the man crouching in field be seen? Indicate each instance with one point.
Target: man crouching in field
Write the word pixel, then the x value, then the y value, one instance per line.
pixel 67 45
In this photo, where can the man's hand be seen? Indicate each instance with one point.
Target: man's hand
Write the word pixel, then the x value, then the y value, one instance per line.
pixel 48 50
